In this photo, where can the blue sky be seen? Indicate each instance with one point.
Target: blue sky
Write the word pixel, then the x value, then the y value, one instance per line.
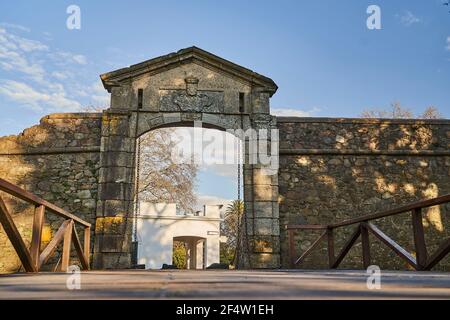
pixel 320 53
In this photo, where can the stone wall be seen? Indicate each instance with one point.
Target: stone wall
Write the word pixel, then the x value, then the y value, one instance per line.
pixel 57 160
pixel 333 169
pixel 330 170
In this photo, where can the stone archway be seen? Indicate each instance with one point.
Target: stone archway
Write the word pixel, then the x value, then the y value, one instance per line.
pixel 179 89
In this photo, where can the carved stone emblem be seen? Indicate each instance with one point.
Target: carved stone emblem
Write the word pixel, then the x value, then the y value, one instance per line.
pixel 191 99
pixel 191 86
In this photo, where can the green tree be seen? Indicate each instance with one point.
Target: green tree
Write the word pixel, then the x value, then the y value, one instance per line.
pixel 231 228
pixel 179 255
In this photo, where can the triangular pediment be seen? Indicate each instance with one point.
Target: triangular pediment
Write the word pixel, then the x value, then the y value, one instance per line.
pixel 185 56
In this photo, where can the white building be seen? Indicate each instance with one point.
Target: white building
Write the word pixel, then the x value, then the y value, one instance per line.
pixel 158 226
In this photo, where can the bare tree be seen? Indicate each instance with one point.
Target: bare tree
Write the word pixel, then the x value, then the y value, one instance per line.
pixel 397 111
pixel 161 179
pixel 431 113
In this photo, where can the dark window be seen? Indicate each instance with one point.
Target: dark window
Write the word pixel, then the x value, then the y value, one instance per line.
pixel 140 98
pixel 241 102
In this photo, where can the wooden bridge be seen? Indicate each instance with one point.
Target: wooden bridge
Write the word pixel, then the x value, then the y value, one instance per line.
pixel 33 259
pixel 226 284
pixel 275 284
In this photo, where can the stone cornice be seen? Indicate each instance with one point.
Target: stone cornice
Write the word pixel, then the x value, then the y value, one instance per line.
pixel 48 151
pixel 191 54
pixel 80 115
pixel 362 120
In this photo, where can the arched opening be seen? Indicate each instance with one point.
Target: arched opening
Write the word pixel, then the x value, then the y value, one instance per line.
pixel 189 252
pixel 188 203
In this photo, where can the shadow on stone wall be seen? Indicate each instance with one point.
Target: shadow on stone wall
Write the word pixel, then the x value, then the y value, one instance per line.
pixel 57 160
pixel 342 182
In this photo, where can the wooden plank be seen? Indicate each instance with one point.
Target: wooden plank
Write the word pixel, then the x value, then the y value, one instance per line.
pixel 79 249
pixel 347 247
pixel 440 253
pixel 310 249
pixel 330 239
pixel 35 200
pixel 365 246
pixel 15 238
pixel 401 209
pixel 67 244
pixel 38 224
pixel 53 244
pixel 402 253
pixel 419 238
pixel 291 247
pixel 87 244
pixel 57 265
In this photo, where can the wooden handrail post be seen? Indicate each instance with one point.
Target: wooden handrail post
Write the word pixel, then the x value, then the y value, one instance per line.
pixel 440 253
pixel 16 239
pixel 330 238
pixel 365 245
pixel 347 246
pixel 66 247
pixel 38 224
pixel 32 259
pixel 422 261
pixel 291 247
pixel 419 239
pixel 87 243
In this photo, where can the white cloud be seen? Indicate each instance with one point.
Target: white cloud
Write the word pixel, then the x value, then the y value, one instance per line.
pixel 60 75
pixel 41 75
pixel 28 96
pixel 80 59
pixel 286 112
pixel 13 41
pixel 22 93
pixel 63 58
pixel 13 61
pixel 408 19
pixel 99 95
pixel 12 54
pixel 29 45
pixel 14 26
pixel 448 43
pixel 203 199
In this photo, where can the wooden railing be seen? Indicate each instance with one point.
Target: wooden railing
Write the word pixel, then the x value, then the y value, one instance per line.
pixel 364 225
pixel 33 259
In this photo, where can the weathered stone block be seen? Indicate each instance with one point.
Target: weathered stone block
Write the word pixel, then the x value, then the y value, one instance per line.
pixel 115 191
pixel 265 193
pixel 115 174
pixel 115 125
pixel 116 208
pixel 264 209
pixel 265 261
pixel 118 143
pixel 117 159
pixel 112 260
pixel 109 243
pixel 110 225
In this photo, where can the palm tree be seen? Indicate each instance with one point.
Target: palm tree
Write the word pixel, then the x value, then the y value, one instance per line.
pixel 231 228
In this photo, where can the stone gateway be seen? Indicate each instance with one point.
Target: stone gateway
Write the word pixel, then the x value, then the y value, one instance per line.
pixel 330 169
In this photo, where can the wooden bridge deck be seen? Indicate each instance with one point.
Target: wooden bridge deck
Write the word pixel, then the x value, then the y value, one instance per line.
pixel 184 284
